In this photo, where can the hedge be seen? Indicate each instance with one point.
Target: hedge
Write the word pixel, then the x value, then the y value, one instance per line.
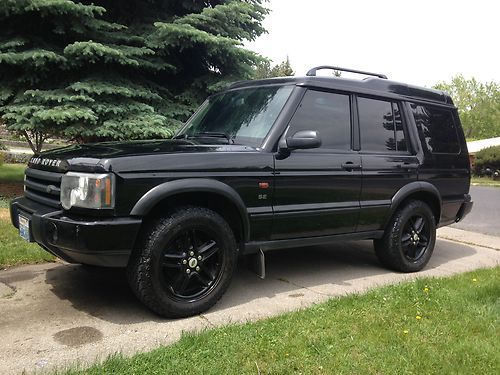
pixel 487 158
pixel 14 158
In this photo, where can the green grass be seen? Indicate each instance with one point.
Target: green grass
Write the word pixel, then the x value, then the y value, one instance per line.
pixel 428 326
pixel 13 249
pixel 4 202
pixel 12 172
pixel 485 181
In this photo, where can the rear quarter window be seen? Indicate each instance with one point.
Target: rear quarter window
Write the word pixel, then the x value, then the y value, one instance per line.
pixel 437 127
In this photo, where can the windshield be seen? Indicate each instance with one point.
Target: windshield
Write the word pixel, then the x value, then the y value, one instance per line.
pixel 242 116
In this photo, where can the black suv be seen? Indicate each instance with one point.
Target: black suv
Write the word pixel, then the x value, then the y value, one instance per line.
pixel 266 164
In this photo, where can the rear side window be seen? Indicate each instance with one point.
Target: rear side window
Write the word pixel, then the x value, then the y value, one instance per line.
pixel 329 114
pixel 381 126
pixel 437 127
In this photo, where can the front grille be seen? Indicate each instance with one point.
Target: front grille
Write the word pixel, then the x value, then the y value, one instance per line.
pixel 43 187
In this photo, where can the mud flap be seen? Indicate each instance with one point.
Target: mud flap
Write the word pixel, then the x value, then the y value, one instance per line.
pixel 257 263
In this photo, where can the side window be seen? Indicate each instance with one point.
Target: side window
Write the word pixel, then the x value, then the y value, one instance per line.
pixel 381 126
pixel 329 114
pixel 437 127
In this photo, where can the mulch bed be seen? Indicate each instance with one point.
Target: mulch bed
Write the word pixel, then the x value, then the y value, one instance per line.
pixel 11 189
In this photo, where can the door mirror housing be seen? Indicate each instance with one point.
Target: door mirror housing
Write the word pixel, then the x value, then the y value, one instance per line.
pixel 304 139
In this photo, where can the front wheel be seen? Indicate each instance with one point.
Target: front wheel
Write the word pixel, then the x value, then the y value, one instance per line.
pixel 409 238
pixel 184 263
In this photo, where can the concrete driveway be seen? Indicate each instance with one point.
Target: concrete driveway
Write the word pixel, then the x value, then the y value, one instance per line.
pixel 57 315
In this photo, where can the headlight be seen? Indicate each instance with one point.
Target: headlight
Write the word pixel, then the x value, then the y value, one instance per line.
pixel 87 190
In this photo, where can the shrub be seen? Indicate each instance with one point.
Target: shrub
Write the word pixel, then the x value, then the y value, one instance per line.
pixel 14 158
pixel 2 158
pixel 487 158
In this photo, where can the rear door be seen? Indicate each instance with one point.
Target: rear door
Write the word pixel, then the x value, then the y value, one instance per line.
pixel 388 160
pixel 317 191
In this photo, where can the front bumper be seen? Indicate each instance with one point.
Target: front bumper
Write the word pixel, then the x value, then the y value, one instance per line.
pixel 94 241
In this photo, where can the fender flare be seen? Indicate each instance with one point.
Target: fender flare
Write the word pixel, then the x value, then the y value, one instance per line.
pixel 192 185
pixel 413 187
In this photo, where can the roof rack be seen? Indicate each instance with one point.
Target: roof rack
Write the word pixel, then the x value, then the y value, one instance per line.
pixel 312 72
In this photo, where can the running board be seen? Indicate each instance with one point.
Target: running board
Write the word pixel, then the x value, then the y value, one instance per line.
pixel 257 263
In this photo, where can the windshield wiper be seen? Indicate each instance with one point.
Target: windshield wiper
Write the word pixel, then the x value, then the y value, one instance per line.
pixel 215 135
pixel 180 136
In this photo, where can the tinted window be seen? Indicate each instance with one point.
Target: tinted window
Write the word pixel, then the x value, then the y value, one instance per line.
pixel 381 126
pixel 327 113
pixel 244 115
pixel 437 127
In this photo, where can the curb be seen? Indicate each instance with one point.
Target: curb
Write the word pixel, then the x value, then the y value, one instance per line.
pixel 470 238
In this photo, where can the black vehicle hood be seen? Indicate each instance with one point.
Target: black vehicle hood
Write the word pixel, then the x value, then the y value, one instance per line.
pixel 100 156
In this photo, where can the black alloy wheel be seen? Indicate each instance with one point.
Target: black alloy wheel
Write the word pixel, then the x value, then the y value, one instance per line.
pixel 415 237
pixel 192 264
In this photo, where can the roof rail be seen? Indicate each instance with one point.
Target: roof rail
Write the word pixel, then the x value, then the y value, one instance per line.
pixel 312 72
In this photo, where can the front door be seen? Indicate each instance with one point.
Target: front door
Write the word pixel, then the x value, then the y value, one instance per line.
pixel 317 191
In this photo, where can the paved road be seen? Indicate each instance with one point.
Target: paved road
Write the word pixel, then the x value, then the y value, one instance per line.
pixel 485 214
pixel 58 314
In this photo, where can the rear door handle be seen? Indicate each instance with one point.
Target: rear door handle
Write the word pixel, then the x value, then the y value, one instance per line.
pixel 350 166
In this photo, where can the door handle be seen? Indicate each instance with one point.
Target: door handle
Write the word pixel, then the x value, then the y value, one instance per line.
pixel 350 166
pixel 407 166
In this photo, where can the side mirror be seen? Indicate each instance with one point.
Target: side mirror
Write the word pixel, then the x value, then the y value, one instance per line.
pixel 303 140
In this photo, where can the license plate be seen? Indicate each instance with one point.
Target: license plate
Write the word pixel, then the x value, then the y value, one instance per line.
pixel 24 227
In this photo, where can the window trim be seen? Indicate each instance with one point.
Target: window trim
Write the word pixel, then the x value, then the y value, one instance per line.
pixel 399 106
pixel 406 132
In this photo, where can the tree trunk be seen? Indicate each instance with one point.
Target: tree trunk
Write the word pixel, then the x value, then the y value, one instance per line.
pixel 37 145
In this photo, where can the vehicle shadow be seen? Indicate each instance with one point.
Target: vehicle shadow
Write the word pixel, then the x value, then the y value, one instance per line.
pixel 105 294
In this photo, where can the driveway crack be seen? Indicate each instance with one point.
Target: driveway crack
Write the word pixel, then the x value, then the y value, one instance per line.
pixel 303 287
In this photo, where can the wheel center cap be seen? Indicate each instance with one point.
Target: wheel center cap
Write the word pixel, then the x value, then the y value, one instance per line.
pixel 192 262
pixel 415 237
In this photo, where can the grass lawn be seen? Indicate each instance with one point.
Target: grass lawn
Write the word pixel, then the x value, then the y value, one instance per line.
pixel 12 172
pixel 485 181
pixel 438 326
pixel 13 249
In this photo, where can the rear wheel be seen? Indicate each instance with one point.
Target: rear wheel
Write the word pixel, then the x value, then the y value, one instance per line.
pixel 409 238
pixel 184 262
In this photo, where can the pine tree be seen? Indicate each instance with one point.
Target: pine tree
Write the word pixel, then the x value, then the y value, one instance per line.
pixel 265 70
pixel 115 69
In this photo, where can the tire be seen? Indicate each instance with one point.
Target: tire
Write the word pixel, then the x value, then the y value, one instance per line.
pixel 409 238
pixel 183 263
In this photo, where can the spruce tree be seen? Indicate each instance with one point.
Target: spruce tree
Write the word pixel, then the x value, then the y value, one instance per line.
pixel 118 69
pixel 264 69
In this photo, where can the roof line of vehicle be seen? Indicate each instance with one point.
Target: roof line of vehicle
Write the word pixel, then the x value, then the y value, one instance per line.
pixel 373 86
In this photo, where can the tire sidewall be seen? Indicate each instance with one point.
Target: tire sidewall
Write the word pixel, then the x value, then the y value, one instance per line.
pixel 408 212
pixel 211 223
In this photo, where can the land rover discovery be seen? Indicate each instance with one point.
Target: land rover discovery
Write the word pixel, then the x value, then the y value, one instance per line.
pixel 263 165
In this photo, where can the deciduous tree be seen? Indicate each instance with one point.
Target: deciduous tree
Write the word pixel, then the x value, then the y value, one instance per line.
pixel 478 105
